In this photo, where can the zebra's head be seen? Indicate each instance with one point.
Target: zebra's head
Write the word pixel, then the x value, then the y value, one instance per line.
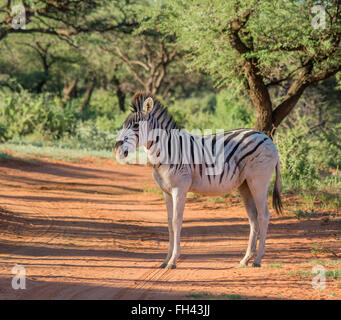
pixel 137 125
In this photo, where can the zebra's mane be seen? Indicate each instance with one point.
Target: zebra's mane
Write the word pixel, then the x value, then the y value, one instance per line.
pixel 159 112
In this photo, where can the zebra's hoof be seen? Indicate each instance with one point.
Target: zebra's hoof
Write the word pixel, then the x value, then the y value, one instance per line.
pixel 164 265
pixel 256 265
pixel 243 263
pixel 171 266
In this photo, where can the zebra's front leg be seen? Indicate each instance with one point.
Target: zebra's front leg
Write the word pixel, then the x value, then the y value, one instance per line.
pixel 179 200
pixel 169 205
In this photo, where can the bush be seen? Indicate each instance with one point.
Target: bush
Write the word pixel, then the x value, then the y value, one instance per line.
pixel 45 117
pixel 221 111
pixel 88 135
pixel 22 114
pixel 307 156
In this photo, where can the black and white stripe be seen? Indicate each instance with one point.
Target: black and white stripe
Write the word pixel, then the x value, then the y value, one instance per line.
pixel 212 164
pixel 199 153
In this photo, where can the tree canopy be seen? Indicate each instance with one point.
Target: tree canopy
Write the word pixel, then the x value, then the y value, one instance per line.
pixel 268 51
pixel 273 50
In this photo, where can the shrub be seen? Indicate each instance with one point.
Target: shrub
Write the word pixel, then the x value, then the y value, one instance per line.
pixel 305 156
pixel 22 113
pixel 221 111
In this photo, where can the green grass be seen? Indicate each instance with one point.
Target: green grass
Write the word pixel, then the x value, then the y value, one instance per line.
pixel 324 262
pixel 309 200
pixel 5 155
pixel 233 296
pixel 303 214
pixel 198 295
pixel 329 200
pixel 215 199
pixel 274 265
pixel 271 265
pixel 54 152
pixel 320 249
pixel 193 195
pixel 245 266
pixel 210 296
pixel 332 274
pixel 152 189
pixel 302 273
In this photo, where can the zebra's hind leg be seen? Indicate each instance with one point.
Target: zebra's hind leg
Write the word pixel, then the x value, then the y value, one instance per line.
pixel 259 194
pixel 251 210
pixel 169 205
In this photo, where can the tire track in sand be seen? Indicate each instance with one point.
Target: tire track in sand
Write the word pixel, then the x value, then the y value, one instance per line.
pixel 145 283
pixel 168 274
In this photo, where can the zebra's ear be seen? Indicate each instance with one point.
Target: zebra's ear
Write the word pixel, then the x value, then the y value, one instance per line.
pixel 148 105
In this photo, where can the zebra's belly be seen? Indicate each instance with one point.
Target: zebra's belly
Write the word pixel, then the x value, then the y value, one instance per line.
pixel 213 187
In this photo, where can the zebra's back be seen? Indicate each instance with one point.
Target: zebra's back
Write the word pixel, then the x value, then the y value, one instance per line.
pixel 236 153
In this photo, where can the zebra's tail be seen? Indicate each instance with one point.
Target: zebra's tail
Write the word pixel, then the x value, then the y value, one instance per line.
pixel 276 195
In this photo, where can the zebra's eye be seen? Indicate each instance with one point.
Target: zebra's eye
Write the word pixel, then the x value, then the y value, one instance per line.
pixel 136 126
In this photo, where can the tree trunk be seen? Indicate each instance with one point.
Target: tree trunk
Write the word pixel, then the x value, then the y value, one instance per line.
pixel 45 77
pixel 41 83
pixel 67 91
pixel 260 98
pixel 121 99
pixel 267 119
pixel 121 96
pixel 87 96
pixel 264 121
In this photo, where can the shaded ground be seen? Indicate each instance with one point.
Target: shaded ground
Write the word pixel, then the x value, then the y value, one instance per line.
pixel 88 231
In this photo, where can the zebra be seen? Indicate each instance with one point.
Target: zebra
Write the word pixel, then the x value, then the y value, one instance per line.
pixel 249 158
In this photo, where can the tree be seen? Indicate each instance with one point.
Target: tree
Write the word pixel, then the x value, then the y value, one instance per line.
pixel 50 26
pixel 66 18
pixel 258 46
pixel 148 63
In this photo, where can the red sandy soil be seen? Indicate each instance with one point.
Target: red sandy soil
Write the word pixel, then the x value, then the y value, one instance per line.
pixel 87 230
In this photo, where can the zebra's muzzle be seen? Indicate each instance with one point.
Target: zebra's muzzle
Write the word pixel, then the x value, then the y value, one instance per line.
pixel 117 145
pixel 119 152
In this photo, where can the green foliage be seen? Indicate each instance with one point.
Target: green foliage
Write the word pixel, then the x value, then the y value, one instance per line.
pixel 297 162
pixel 90 135
pixel 275 32
pixel 26 114
pixel 119 47
pixel 233 113
pixel 46 117
pixel 221 111
pixel 300 150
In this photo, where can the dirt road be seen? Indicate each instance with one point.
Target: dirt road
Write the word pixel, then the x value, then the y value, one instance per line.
pixel 88 230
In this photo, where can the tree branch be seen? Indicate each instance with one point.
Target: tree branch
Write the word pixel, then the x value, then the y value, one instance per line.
pixel 294 93
pixel 303 80
pixel 257 89
pixel 128 63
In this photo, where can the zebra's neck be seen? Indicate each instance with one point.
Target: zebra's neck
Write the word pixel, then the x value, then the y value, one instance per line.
pixel 162 119
pixel 177 147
